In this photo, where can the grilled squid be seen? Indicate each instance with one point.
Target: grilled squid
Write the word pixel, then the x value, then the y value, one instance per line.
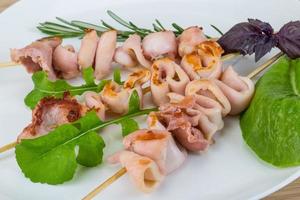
pixel 65 61
pixel 153 122
pixel 143 171
pixel 51 113
pixel 93 101
pixel 166 77
pixel 131 53
pixel 37 56
pixel 191 127
pixel 208 94
pixel 87 51
pixel 189 39
pixel 160 44
pixel 105 52
pixel 204 62
pixel 238 90
pixel 157 145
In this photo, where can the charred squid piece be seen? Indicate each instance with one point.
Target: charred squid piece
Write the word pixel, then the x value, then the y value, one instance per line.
pixel 213 115
pixel 143 171
pixel 87 51
pixel 160 44
pixel 65 61
pixel 131 53
pixel 137 78
pixel 105 52
pixel 93 101
pixel 167 77
pixel 157 145
pixel 123 58
pixel 204 62
pixel 208 94
pixel 153 122
pixel 189 126
pixel 37 56
pixel 116 97
pixel 51 113
pixel 238 90
pixel 189 39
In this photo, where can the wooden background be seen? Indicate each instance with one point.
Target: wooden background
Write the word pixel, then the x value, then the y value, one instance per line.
pixel 290 192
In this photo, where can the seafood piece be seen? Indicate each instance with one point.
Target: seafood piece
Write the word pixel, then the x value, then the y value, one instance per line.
pixel 166 77
pixel 87 51
pixel 143 171
pixel 51 113
pixel 238 90
pixel 105 52
pixel 157 145
pixel 37 56
pixel 160 44
pixel 131 47
pixel 65 61
pixel 93 101
pixel 117 98
pixel 208 94
pixel 204 62
pixel 189 39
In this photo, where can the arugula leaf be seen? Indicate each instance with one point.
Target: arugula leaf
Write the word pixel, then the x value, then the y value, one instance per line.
pixel 43 87
pixel 134 102
pixel 128 126
pixel 117 76
pixel 51 158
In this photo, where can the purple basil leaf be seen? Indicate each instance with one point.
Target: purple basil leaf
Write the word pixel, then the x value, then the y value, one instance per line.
pixel 264 46
pixel 289 39
pixel 250 37
pixel 263 26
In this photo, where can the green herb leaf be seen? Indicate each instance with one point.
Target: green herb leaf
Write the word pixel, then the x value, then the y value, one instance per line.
pixel 128 126
pixel 52 159
pixel 43 87
pixel 271 125
pixel 117 76
pixel 134 103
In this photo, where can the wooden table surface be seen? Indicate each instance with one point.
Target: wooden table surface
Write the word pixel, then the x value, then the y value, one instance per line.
pixel 290 192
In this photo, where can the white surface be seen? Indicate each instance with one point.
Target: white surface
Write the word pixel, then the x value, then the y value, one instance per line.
pixel 229 170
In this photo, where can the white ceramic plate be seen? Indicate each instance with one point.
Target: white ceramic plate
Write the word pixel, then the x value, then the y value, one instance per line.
pixel 229 170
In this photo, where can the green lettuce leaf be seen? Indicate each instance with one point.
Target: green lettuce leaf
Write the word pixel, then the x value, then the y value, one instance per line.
pixel 43 87
pixel 271 124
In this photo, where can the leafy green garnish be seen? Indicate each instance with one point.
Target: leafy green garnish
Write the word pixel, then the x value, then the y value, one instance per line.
pixel 117 76
pixel 129 126
pixel 271 125
pixel 52 158
pixel 43 87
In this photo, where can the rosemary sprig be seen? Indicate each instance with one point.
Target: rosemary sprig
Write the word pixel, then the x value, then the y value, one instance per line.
pixel 75 28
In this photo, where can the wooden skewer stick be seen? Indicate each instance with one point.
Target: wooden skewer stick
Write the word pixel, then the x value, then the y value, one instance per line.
pixel 8 146
pixel 11 64
pixel 123 170
pixel 105 184
pixel 265 65
pixel 8 64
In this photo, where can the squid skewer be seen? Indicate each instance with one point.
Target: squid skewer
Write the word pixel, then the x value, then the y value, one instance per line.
pixel 93 100
pixel 123 170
